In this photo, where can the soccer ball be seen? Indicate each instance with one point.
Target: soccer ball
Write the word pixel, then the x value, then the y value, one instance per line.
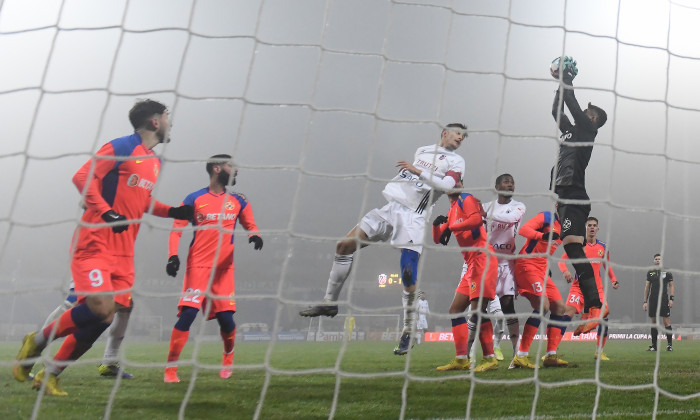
pixel 565 62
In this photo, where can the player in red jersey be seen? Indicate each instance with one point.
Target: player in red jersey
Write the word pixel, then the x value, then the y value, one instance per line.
pixel 116 185
pixel 533 279
pixel 599 256
pixel 209 281
pixel 477 286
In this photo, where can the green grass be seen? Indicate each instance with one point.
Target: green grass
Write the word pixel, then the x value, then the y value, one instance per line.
pixel 301 384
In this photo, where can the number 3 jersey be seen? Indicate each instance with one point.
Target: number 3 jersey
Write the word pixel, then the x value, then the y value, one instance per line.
pixel 414 191
pixel 215 217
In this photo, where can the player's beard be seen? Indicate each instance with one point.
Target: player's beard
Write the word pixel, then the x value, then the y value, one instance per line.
pixel 224 177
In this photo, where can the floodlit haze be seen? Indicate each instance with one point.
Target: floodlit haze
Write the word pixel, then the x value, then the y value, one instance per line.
pixel 317 101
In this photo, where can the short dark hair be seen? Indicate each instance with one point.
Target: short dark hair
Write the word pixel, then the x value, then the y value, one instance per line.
pixel 592 218
pixel 500 177
pixel 456 125
pixel 215 160
pixel 602 116
pixel 142 111
pixel 657 255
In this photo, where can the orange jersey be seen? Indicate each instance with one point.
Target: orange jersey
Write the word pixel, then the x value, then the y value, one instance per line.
pixel 215 216
pixel 120 177
pixel 465 220
pixel 599 257
pixel 533 230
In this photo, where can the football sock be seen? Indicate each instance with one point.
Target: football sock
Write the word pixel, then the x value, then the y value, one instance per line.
pixel 407 299
pixel 654 336
pixel 56 313
pixel 461 333
pixel 229 339
pixel 602 335
pixel 69 322
pixel 486 337
pixel 116 336
pixel 669 335
pixel 471 327
pixel 529 330
pixel 497 327
pixel 555 332
pixel 513 332
pixel 178 339
pixel 75 345
pixel 339 273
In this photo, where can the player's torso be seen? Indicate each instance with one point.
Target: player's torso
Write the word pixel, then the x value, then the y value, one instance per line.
pixel 501 233
pixel 537 246
pixel 475 237
pixel 409 190
pixel 215 216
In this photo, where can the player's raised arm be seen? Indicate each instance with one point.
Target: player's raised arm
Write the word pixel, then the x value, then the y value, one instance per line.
pixel 472 215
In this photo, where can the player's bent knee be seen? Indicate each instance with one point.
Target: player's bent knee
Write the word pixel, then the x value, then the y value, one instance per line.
pixel 409 267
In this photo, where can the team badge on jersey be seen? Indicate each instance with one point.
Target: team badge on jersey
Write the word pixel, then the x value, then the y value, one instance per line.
pixel 600 253
pixel 156 170
pixel 133 180
pixel 229 205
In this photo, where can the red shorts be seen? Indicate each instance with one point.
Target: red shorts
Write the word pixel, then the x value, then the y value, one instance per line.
pixel 104 275
pixel 195 286
pixel 575 299
pixel 529 280
pixel 480 278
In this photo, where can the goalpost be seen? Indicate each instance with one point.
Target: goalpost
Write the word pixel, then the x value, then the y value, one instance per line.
pixel 317 100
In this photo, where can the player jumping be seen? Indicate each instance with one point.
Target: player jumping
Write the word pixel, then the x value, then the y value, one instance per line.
pixel 411 195
pixel 568 181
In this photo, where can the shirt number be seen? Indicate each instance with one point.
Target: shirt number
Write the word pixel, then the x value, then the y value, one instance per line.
pixel 537 287
pixel 96 279
pixel 192 295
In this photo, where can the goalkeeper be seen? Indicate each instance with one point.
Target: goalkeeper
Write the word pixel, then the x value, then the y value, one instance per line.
pixel 117 185
pixel 568 181
pixel 209 281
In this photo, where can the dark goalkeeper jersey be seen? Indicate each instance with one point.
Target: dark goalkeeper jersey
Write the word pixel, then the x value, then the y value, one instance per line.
pixel 574 154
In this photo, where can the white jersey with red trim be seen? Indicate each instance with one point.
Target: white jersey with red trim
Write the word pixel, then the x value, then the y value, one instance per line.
pixel 503 222
pixel 414 191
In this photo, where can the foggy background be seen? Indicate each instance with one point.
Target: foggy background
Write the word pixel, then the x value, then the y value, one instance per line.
pixel 317 100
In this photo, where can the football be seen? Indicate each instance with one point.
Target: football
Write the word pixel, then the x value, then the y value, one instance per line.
pixel 565 62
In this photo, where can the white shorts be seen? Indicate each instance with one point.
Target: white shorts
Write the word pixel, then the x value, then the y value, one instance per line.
pixel 396 223
pixel 506 281
pixel 422 323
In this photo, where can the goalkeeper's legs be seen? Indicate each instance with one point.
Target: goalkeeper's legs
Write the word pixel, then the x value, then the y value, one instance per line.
pixel 178 339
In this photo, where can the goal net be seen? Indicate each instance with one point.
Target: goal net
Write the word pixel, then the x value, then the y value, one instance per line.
pixel 317 101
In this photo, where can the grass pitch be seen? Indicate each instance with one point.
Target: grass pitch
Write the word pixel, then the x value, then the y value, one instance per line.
pixel 364 380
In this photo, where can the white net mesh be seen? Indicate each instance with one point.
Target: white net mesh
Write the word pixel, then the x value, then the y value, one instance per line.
pixel 316 101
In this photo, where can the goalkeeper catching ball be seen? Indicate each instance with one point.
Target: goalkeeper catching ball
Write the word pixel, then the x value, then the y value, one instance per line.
pixel 568 181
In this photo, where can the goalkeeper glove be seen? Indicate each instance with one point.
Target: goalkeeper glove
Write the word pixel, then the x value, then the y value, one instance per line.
pixel 445 237
pixel 111 217
pixel 257 240
pixel 553 235
pixel 172 266
pixel 439 220
pixel 570 70
pixel 181 213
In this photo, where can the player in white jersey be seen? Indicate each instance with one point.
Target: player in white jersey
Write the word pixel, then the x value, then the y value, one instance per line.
pixel 423 312
pixel 411 195
pixel 503 217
